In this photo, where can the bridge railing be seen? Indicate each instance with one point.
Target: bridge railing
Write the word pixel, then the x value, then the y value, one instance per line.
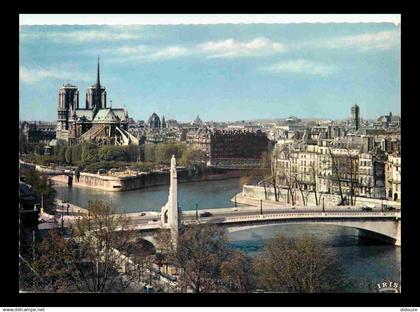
pixel 289 215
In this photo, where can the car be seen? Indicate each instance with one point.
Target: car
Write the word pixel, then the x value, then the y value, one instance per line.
pixel 148 289
pixel 206 214
pixel 142 214
pixel 390 208
pixel 366 208
pixel 155 220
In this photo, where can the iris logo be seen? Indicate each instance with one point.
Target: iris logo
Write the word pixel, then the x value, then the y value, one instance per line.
pixel 389 287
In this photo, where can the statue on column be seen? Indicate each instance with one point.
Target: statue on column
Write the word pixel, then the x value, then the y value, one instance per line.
pixel 169 212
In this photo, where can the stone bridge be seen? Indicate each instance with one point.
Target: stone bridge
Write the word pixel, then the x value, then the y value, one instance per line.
pixel 385 226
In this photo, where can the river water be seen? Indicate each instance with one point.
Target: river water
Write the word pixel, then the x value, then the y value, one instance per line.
pixel 361 258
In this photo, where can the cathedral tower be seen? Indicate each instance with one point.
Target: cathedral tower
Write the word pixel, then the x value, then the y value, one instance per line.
pixel 68 100
pixel 96 94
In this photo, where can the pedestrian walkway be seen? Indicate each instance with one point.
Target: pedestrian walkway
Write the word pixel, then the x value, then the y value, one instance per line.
pixel 65 208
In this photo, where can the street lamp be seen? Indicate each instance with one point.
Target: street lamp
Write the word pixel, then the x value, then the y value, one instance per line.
pixel 196 211
pixel 42 203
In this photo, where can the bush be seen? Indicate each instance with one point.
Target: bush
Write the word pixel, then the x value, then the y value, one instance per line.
pixel 94 167
pixel 142 166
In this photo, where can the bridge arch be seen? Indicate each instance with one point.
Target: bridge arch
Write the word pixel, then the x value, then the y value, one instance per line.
pixel 386 231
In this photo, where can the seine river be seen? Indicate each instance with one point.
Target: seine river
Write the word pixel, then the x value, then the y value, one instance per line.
pixel 361 258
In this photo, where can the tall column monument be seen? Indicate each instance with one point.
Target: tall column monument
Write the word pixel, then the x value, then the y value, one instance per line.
pixel 169 212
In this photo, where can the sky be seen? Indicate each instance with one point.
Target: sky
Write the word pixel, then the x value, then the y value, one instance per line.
pixel 221 72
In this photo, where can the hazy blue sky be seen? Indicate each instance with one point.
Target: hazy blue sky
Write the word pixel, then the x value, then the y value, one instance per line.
pixel 221 72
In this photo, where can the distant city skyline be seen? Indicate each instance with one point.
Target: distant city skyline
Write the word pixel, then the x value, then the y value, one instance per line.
pixel 219 72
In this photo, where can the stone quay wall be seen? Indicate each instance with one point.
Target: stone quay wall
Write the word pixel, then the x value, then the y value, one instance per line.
pixel 255 192
pixel 142 180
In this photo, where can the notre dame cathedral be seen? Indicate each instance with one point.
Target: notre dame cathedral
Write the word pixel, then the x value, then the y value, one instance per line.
pixel 95 123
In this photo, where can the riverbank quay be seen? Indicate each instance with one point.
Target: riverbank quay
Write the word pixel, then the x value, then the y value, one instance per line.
pixel 127 181
pixel 253 194
pixel 64 207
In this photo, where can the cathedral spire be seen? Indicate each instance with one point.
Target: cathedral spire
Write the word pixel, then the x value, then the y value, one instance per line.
pixel 98 80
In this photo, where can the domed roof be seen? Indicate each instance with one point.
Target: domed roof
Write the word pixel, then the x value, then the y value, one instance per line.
pixel 154 121
pixel 154 117
pixel 197 121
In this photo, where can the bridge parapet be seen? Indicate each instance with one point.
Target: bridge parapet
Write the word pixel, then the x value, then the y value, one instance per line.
pixel 300 215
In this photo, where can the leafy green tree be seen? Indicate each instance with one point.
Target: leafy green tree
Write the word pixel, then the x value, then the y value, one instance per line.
pixel 133 152
pixel 76 155
pixel 113 153
pixel 89 153
pixel 149 152
pixel 164 152
pixel 192 156
pixel 23 144
pixel 39 149
pixel 68 154
pixel 42 188
pixel 62 153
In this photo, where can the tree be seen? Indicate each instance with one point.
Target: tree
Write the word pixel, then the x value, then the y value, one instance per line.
pixel 205 260
pixel 237 274
pixel 112 153
pixel 89 153
pixel 191 157
pixel 62 153
pixel 345 172
pixel 42 189
pixel 164 152
pixel 23 143
pixel 92 258
pixel 76 153
pixel 68 154
pixel 149 152
pixel 39 149
pixel 299 265
pixel 133 152
pixel 314 179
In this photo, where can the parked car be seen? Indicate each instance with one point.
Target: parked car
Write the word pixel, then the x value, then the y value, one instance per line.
pixel 142 214
pixel 206 214
pixel 388 208
pixel 367 209
pixel 148 289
